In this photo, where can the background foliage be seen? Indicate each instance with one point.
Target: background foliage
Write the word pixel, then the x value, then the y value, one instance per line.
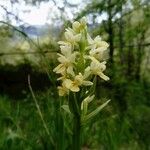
pixel 125 122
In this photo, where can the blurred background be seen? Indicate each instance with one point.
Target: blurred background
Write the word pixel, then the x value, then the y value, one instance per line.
pixel 29 31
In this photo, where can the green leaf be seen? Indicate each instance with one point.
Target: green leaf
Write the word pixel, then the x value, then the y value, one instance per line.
pixel 94 112
pixel 84 104
pixel 66 108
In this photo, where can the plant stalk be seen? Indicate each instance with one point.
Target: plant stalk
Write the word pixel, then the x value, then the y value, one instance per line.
pixel 76 144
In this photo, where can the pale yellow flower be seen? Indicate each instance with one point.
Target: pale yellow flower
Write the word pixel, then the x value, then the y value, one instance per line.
pixel 97 43
pixel 72 37
pixel 78 81
pixel 99 53
pixel 66 50
pixel 61 68
pixel 79 26
pixel 64 68
pixel 76 26
pixel 66 64
pixel 62 90
pixel 71 85
pixel 97 68
pixel 83 21
pixel 64 43
pixel 70 60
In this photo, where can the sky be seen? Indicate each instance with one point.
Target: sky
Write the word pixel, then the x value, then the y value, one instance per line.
pixel 33 15
pixel 43 14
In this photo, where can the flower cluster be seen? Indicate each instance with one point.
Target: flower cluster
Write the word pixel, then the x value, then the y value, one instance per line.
pixel 81 57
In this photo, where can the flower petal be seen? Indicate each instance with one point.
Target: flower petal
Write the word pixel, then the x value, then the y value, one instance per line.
pixel 59 69
pixel 87 83
pixel 74 88
pixel 70 70
pixel 101 75
pixel 67 83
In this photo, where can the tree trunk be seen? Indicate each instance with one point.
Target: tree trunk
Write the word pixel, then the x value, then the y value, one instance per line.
pixel 121 41
pixel 139 56
pixel 110 32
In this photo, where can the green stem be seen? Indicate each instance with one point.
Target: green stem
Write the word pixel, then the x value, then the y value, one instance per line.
pixel 75 108
pixel 76 145
pixel 39 110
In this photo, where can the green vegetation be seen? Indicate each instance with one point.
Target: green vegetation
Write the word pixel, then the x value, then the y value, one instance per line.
pixel 123 124
pixel 127 128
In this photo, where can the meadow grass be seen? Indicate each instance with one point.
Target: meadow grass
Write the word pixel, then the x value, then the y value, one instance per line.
pixel 22 128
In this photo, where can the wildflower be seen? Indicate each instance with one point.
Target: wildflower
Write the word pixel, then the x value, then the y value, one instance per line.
pixel 97 68
pixel 66 63
pixel 64 43
pixel 78 81
pixel 99 53
pixel 76 26
pixel 83 21
pixel 66 50
pixel 76 51
pixel 72 37
pixel 97 43
pixel 81 57
pixel 62 90
pixel 79 26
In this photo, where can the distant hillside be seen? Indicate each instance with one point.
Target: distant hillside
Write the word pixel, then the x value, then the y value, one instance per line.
pixel 41 30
